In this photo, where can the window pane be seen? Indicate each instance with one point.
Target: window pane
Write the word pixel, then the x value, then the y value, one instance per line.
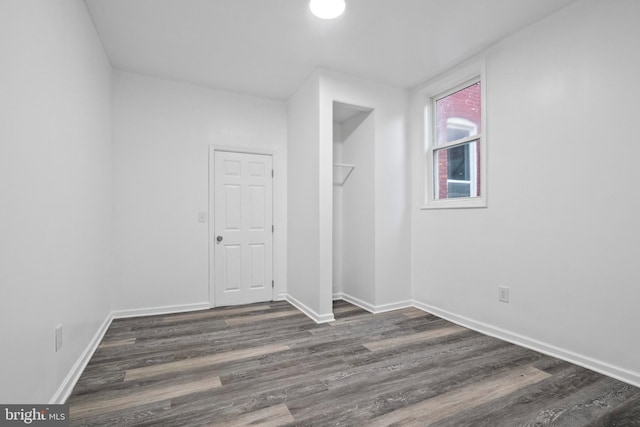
pixel 458 115
pixel 458 189
pixel 458 171
pixel 458 163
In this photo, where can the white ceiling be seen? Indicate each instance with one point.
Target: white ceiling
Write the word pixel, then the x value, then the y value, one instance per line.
pixel 269 47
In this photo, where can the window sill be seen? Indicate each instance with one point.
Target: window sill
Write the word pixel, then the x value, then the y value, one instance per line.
pixel 461 203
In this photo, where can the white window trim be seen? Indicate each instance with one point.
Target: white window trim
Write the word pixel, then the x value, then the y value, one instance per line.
pixel 450 82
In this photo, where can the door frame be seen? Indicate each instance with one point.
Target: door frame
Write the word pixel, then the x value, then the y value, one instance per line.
pixel 211 190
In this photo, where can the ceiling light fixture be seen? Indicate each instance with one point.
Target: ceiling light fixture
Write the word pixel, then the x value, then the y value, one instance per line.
pixel 327 9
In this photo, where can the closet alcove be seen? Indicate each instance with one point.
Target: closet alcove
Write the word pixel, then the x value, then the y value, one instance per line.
pixel 353 202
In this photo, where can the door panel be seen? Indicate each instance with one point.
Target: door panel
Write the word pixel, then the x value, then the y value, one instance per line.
pixel 243 218
pixel 232 272
pixel 257 207
pixel 257 266
pixel 233 211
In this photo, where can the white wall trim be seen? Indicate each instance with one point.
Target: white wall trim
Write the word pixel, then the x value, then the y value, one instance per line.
pixel 62 394
pixel 393 306
pixel 64 391
pixel 280 297
pixel 357 301
pixel 318 318
pixel 371 308
pixel 601 367
pixel 625 375
pixel 454 79
pixel 153 311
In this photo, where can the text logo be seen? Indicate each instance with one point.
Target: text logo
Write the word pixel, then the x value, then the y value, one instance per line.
pixel 35 415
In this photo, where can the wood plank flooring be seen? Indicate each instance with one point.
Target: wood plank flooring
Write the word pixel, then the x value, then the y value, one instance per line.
pixel 269 365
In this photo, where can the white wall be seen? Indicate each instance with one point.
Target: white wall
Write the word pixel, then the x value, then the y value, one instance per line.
pixel 337 214
pixel 162 134
pixel 56 192
pixel 561 226
pixel 358 209
pixel 392 272
pixel 303 286
pixel 311 192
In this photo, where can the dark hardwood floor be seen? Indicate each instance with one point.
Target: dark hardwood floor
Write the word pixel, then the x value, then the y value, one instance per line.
pixel 268 364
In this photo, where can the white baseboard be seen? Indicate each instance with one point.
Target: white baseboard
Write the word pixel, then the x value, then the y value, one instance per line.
pixel 393 306
pixel 375 309
pixel 357 301
pixel 153 311
pixel 64 391
pixel 62 394
pixel 604 368
pixel 318 318
pixel 280 297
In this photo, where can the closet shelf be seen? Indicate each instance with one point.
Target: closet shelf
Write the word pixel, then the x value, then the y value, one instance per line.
pixel 341 172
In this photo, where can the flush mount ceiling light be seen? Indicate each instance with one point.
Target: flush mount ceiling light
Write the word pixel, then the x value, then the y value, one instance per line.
pixel 327 9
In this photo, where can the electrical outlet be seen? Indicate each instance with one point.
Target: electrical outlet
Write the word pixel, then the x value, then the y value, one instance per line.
pixel 503 294
pixel 202 216
pixel 58 337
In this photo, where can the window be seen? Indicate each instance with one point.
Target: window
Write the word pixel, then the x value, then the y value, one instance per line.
pixel 455 143
pixel 457 126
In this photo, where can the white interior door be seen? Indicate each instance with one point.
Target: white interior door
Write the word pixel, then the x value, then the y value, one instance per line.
pixel 243 228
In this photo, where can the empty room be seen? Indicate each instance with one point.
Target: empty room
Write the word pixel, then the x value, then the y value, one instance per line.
pixel 319 213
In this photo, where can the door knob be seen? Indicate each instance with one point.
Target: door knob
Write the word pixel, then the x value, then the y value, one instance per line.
pixel 219 238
